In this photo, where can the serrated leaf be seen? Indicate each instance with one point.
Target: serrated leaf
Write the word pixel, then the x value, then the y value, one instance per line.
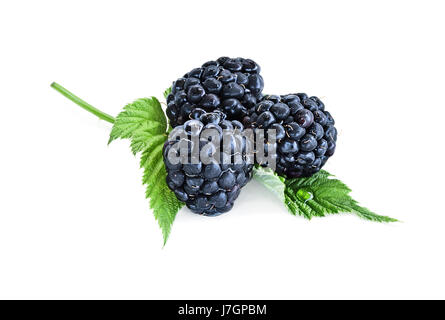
pixel 163 201
pixel 144 123
pixel 320 194
pixel 270 180
pixel 141 140
pixel 167 92
pixel 143 116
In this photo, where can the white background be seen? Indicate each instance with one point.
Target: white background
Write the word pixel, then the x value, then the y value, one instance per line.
pixel 73 219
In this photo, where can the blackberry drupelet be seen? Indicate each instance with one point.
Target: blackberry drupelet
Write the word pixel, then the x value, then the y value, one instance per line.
pixel 229 85
pixel 305 132
pixel 207 187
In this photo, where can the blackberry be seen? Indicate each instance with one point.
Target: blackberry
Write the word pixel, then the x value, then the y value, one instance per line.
pixel 216 165
pixel 305 132
pixel 229 85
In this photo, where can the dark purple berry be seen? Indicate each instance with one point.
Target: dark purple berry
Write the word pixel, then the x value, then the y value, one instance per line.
pixel 308 142
pixel 280 110
pixel 305 132
pixel 304 118
pixel 288 146
pixel 195 93
pixel 265 120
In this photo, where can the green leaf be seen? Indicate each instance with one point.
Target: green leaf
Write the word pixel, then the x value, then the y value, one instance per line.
pixel 320 194
pixel 270 180
pixel 144 123
pixel 163 201
pixel 167 92
pixel 142 117
pixel 315 196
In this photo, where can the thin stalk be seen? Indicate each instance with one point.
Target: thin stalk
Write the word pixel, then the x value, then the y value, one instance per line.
pixel 85 105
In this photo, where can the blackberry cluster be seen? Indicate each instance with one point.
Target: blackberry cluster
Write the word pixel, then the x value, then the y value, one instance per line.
pixel 226 96
pixel 207 187
pixel 305 132
pixel 229 85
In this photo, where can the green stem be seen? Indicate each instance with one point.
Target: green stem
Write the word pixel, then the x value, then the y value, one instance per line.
pixel 88 107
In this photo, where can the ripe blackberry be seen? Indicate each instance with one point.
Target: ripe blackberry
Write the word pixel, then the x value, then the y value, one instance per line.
pixel 305 132
pixel 216 168
pixel 229 85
